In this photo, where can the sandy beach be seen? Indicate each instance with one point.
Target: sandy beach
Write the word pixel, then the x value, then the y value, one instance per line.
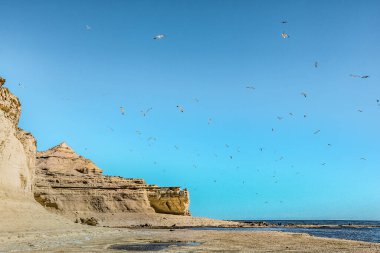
pixel 89 239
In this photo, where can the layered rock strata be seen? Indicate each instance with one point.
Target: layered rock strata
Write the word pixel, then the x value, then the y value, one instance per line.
pixel 17 147
pixel 71 184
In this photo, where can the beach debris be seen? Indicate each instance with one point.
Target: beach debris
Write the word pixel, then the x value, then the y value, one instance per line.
pixel 284 35
pixel 145 112
pixel 180 108
pixel 159 36
pixel 304 94
pixel 316 132
pixel 122 110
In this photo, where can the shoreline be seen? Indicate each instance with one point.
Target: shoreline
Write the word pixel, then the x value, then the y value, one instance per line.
pixel 98 239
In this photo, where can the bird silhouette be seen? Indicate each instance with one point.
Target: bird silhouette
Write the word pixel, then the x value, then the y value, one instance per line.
pixel 180 108
pixel 284 35
pixel 159 36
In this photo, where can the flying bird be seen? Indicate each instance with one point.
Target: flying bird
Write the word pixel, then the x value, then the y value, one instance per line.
pixel 284 22
pixel 365 159
pixel 209 121
pixel 291 114
pixel 250 87
pixel 159 37
pixel 144 113
pixel 279 118
pixel 360 110
pixel 122 110
pixel 359 76
pixel 284 35
pixel 316 64
pixel 180 108
pixel 304 94
pixel 317 131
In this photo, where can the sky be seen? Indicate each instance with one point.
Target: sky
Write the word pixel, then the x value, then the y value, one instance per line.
pixel 262 153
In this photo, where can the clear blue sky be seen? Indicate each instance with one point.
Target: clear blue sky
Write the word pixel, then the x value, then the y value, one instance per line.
pixel 73 81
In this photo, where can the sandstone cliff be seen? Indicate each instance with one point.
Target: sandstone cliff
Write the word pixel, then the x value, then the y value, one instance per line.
pixel 18 210
pixel 17 147
pixel 74 186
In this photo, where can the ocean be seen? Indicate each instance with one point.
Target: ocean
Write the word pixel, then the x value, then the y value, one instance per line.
pixel 366 234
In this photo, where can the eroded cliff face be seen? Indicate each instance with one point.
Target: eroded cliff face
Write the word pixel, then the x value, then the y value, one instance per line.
pixel 17 147
pixel 73 185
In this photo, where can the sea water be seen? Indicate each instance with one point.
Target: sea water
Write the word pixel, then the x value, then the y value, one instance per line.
pixel 366 234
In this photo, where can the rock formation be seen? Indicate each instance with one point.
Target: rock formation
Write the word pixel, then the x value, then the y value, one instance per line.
pixel 18 209
pixel 73 185
pixel 17 147
pixel 66 183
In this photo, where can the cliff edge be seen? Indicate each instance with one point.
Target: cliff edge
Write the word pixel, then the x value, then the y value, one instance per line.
pixel 74 186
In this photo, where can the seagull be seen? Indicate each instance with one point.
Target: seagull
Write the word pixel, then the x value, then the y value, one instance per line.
pixel 304 94
pixel 261 149
pixel 122 110
pixel 304 115
pixel 317 131
pixel 196 100
pixel 144 113
pixel 356 76
pixel 284 35
pixel 291 114
pixel 159 37
pixel 88 28
pixel 365 159
pixel 323 164
pixel 316 64
pixel 284 22
pixel 360 110
pixel 279 118
pixel 176 147
pixel 180 108
pixel 250 87
pixel 138 132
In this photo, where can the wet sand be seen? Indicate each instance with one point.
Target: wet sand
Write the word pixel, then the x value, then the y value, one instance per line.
pixel 97 239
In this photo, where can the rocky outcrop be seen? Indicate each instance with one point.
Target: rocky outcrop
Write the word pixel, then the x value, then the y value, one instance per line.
pixel 17 147
pixel 73 185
